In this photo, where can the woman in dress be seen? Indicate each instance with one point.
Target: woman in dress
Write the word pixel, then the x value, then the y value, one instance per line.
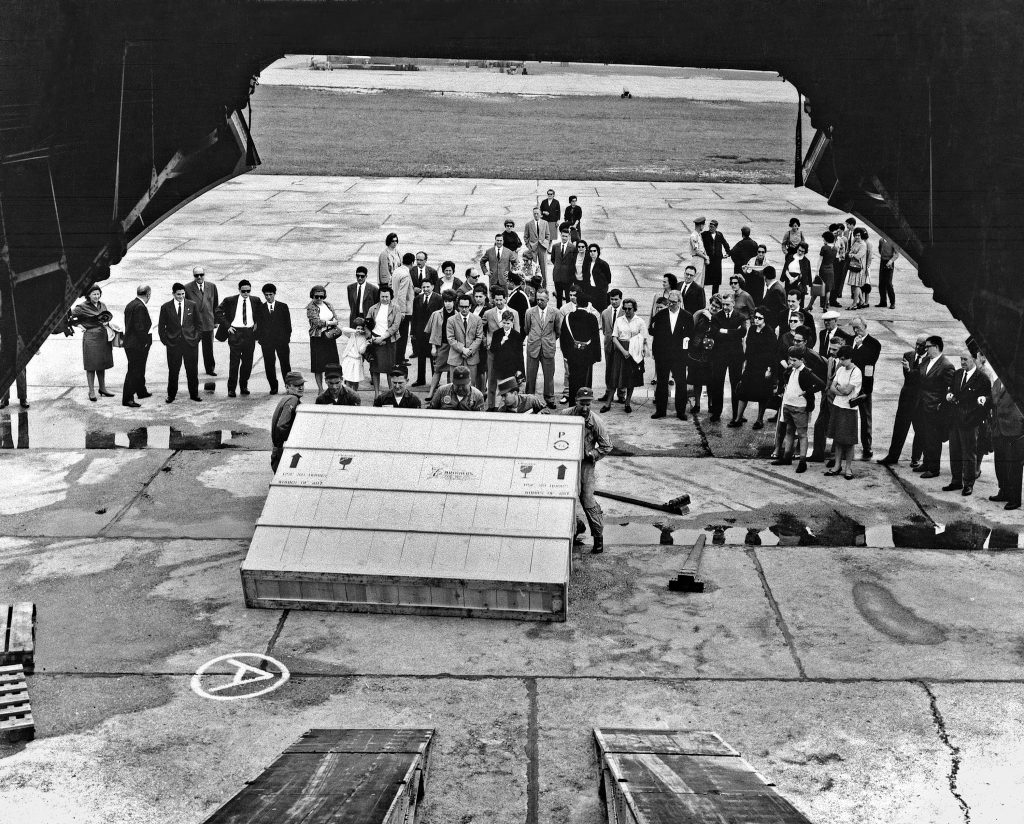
pixel 742 300
pixel 857 270
pixel 597 278
pixel 842 424
pixel 827 268
pixel 97 355
pixel 698 369
pixel 507 348
pixel 384 320
pixel 324 329
pixel 439 340
pixel 669 283
pixel 629 342
pixel 758 382
pixel 511 240
pixel 793 237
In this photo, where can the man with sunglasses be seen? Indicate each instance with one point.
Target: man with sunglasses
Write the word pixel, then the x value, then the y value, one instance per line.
pixel 670 331
pixel 204 296
pixel 237 317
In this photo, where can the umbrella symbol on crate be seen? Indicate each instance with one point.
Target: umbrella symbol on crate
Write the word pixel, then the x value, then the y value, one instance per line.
pixel 526 469
pixel 344 461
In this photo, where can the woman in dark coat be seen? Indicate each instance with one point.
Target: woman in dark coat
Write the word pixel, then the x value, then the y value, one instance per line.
pixel 758 382
pixel 698 367
pixel 97 355
pixel 509 237
pixel 597 278
pixel 507 348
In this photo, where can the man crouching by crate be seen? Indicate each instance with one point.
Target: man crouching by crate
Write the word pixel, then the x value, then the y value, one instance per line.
pixel 284 415
pixel 595 446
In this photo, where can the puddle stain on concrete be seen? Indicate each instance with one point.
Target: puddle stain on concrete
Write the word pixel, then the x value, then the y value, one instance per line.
pixel 70 434
pixel 882 611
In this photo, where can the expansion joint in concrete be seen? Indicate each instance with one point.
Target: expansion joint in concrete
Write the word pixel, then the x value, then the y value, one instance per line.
pixel 533 755
pixel 705 444
pixel 277 631
pixel 780 622
pixel 909 492
pixel 954 751
pixel 104 532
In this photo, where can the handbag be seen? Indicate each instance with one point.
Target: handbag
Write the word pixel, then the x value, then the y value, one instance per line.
pixel 333 332
pixel 857 401
pixel 114 336
pixel 854 265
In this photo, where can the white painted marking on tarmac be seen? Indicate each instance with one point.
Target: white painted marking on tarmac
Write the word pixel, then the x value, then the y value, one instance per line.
pixel 245 674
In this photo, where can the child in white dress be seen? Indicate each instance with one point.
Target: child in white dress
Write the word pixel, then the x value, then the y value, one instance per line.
pixel 356 341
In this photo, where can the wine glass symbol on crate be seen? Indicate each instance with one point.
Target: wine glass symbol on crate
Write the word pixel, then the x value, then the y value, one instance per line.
pixel 344 461
pixel 526 469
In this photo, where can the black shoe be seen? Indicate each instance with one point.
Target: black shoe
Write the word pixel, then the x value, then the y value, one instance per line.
pixel 681 416
pixel 232 394
pixel 658 414
pixel 887 461
pixel 967 490
pixel 143 395
pixel 23 404
pixel 998 497
pixel 598 547
pixel 758 425
pixel 782 462
pixel 106 394
pixel 867 455
pixel 927 475
pixel 212 374
pixel 168 400
pixel 244 391
pixel 132 404
pixel 715 418
pixel 814 457
pixel 801 467
pixel 734 424
pixel 195 398
pixel 952 487
pixel 273 391
pixel 606 408
pixel 918 468
pixel 552 405
pixel 1012 505
pixel 627 407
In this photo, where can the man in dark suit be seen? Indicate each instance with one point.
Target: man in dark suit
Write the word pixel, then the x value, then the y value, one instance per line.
pixel 273 331
pixel 518 302
pixel 866 350
pixel 716 247
pixel 670 330
pixel 831 332
pixel 929 417
pixel 361 296
pixel 421 272
pixel 137 340
pixel 178 327
pixel 424 305
pixel 237 318
pixel 580 341
pixel 776 301
pixel 692 292
pixel 793 310
pixel 911 363
pixel 1008 445
pixel 727 331
pixel 551 211
pixel 970 399
pixel 742 252
pixel 563 266
pixel 204 296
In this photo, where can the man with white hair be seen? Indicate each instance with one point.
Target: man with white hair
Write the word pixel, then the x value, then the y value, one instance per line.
pixel 866 350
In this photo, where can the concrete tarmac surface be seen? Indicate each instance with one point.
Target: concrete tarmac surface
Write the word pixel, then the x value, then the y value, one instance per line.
pixel 860 642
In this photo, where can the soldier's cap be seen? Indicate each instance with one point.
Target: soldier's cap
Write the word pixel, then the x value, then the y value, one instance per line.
pixel 460 376
pixel 333 370
pixel 584 393
pixel 830 316
pixel 508 385
pixel 397 372
pixel 294 379
pixel 699 220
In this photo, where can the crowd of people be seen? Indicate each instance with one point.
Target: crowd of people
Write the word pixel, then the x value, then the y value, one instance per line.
pixel 481 342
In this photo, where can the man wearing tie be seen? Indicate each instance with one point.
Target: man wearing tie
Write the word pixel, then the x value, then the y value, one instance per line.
pixel 274 331
pixel 912 363
pixel 361 296
pixel 537 237
pixel 497 262
pixel 936 375
pixel 727 330
pixel 137 340
pixel 563 266
pixel 465 334
pixel 543 329
pixel 970 399
pixel 551 211
pixel 179 332
pixel 692 292
pixel 611 313
pixel 204 296
pixel 238 328
pixel 421 272
pixel 866 350
pixel 670 333
pixel 427 302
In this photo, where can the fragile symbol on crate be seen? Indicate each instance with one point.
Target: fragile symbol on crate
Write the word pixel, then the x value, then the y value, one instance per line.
pixel 344 461
pixel 262 674
pixel 526 469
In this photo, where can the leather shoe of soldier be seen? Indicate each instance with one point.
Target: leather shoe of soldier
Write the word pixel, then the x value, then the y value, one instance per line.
pixel 598 547
pixel 952 487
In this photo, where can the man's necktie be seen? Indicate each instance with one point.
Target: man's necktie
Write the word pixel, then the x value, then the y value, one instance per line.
pixel 245 311
pixel 181 313
pixel 465 329
pixel 963 382
pixel 270 308
pixel 359 298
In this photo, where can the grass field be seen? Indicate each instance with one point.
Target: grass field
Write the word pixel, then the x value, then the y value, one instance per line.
pixel 415 134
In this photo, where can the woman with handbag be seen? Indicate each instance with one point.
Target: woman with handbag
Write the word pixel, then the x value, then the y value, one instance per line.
pixel 97 355
pixel 843 420
pixel 698 369
pixel 324 330
pixel 629 342
pixel 758 381
pixel 857 270
pixel 384 320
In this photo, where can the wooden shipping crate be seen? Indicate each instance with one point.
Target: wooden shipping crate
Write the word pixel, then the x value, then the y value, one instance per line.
pixel 16 722
pixel 18 635
pixel 417 511
pixel 683 777
pixel 341 776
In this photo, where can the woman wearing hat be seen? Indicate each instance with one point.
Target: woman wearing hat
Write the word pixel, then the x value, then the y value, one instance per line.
pixel 97 355
pixel 324 329
pixel 384 320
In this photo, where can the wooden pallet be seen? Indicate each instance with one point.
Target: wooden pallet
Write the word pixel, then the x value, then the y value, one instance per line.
pixel 689 579
pixel 472 516
pixel 16 722
pixel 683 777
pixel 340 776
pixel 18 635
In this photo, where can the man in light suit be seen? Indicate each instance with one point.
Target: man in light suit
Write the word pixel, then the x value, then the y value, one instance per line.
pixel 274 333
pixel 238 317
pixel 543 329
pixel 465 333
pixel 611 313
pixel 137 340
pixel 179 332
pixel 497 262
pixel 401 283
pixel 563 266
pixel 492 323
pixel 361 296
pixel 204 296
pixel 537 237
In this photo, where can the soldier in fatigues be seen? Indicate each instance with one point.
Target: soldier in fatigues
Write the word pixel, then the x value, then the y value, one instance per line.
pixel 595 446
pixel 515 402
pixel 459 395
pixel 284 415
